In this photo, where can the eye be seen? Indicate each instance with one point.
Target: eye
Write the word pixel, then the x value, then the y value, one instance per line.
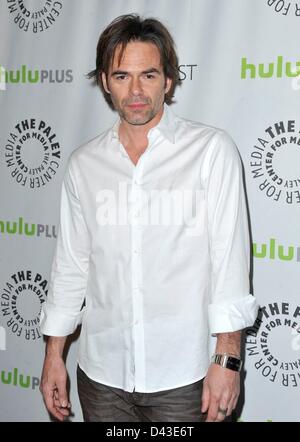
pixel 120 77
pixel 150 76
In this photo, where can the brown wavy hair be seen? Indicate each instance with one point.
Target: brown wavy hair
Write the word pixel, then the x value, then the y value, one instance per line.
pixel 128 28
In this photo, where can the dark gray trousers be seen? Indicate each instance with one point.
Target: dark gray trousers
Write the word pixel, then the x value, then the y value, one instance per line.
pixel 101 403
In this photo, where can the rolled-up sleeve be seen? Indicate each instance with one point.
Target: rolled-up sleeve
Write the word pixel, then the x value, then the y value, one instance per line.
pixel 231 306
pixel 62 311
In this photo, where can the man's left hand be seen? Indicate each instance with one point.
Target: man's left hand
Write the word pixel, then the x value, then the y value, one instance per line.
pixel 221 389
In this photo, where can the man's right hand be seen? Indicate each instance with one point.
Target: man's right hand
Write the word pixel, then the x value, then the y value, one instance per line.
pixel 54 386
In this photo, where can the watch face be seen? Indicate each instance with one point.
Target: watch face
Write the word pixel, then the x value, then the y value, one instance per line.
pixel 233 363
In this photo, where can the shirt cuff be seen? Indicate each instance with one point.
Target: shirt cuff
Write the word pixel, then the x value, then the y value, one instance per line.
pixel 58 323
pixel 226 318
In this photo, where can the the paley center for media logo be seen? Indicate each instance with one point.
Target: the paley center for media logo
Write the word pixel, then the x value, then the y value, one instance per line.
pixel 22 296
pixel 286 8
pixel 274 162
pixel 32 153
pixel 273 344
pixel 34 16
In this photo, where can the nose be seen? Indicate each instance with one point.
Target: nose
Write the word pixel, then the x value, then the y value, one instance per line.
pixel 135 86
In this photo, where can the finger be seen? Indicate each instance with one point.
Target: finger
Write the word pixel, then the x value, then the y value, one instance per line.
pixel 235 401
pixel 217 412
pixel 205 399
pixel 212 413
pixel 224 405
pixel 48 396
pixel 232 405
pixel 57 404
pixel 220 417
pixel 222 412
pixel 63 410
pixel 62 393
pixel 230 409
pixel 57 399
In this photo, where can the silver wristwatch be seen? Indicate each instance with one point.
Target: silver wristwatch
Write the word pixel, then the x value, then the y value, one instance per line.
pixel 227 360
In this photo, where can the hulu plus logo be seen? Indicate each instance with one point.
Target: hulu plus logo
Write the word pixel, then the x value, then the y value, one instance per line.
pixel 24 75
pixel 274 251
pixel 275 69
pixel 19 380
pixel 23 228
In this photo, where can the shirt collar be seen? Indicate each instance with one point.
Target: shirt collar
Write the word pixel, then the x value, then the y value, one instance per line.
pixel 166 126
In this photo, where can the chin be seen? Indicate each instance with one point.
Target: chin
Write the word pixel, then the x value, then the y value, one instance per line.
pixel 138 119
pixel 139 122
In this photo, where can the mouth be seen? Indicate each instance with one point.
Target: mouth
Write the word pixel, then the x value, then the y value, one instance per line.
pixel 137 105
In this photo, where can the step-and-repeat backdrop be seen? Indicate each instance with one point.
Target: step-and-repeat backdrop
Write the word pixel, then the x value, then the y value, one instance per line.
pixel 240 66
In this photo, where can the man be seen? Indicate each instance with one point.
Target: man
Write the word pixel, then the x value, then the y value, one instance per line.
pixel 154 238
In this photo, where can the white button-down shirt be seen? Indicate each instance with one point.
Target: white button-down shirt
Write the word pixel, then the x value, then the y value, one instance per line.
pixel 159 252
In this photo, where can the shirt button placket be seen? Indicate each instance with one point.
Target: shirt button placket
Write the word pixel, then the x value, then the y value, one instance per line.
pixel 137 298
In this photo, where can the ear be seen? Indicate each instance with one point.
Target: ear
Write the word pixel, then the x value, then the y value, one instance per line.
pixel 168 85
pixel 104 82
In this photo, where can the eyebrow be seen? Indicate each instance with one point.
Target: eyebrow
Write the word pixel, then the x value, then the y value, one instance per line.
pixel 147 71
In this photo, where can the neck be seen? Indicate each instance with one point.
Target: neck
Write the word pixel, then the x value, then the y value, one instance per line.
pixel 136 135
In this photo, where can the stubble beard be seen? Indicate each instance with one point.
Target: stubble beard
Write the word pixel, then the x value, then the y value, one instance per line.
pixel 136 117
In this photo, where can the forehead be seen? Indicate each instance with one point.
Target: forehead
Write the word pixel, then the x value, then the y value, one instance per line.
pixel 136 55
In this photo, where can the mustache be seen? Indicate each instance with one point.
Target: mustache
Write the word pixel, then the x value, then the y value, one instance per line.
pixel 135 100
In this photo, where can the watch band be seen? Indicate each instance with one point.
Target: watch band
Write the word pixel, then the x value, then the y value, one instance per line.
pixel 227 361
